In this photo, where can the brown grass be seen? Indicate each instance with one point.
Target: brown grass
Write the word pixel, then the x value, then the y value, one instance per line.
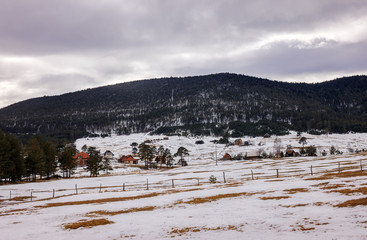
pixel 295 205
pixel 296 190
pixel 181 231
pixel 212 198
pixel 302 228
pixel 87 223
pixel 275 198
pixel 129 210
pixel 340 175
pixel 99 201
pixel 353 203
pixel 333 186
pixel 21 198
pixel 347 191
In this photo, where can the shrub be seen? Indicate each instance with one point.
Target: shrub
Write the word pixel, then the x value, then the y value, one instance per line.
pixel 212 179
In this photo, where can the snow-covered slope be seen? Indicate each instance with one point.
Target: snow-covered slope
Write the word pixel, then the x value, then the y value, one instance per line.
pixel 292 205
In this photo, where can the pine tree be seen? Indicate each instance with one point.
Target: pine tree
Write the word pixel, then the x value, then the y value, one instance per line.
pixel 67 163
pixel 181 151
pixel 94 163
pixel 35 160
pixel 16 157
pixel 146 154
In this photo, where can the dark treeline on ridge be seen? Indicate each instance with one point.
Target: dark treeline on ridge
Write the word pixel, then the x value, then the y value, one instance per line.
pixel 214 104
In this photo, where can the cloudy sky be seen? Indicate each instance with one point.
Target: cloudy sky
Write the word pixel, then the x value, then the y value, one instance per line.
pixel 50 47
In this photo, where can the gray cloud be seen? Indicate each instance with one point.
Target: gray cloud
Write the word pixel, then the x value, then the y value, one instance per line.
pixel 48 45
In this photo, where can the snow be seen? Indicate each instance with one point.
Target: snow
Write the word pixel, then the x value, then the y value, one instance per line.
pixel 241 208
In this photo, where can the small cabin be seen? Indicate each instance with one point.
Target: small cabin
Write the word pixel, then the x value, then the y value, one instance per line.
pixel 108 154
pixel 128 159
pixel 238 142
pixel 81 159
pixel 226 157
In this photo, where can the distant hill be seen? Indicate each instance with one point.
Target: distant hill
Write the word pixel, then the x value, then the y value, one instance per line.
pixel 213 104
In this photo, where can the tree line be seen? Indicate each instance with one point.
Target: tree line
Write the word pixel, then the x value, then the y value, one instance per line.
pixel 42 158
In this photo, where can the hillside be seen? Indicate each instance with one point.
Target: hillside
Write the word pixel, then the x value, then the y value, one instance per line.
pixel 211 104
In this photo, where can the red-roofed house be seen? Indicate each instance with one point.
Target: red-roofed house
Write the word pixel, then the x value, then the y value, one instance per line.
pixel 226 157
pixel 128 159
pixel 81 159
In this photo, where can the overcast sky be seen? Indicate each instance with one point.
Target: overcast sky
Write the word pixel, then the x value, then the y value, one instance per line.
pixel 50 47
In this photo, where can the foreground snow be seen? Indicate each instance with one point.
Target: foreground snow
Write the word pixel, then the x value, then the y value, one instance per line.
pixel 294 205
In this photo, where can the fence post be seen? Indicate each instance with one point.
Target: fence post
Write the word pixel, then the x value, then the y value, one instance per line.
pixel 173 183
pixel 76 188
pixel 360 162
pixel 10 196
pixel 198 182
pixel 123 187
pixel 224 177
pixel 252 175
pixel 311 171
pixel 147 184
pixel 100 187
pixel 31 197
pixel 53 193
pixel 339 167
pixel 277 173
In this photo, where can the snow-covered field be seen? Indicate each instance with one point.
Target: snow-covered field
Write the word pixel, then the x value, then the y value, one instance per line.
pixel 293 205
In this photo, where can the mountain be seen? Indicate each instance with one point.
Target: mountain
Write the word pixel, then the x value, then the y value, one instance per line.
pixel 211 104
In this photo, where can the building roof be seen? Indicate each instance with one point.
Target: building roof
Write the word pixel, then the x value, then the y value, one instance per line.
pixel 82 155
pixel 128 158
pixel 227 156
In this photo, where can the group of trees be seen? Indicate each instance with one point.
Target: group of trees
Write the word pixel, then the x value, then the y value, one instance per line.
pixel 37 157
pixel 149 153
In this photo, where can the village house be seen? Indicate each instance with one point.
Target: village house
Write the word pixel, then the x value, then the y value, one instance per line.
pixel 226 157
pixel 128 159
pixel 238 142
pixel 252 155
pixel 81 159
pixel 108 154
pixel 290 153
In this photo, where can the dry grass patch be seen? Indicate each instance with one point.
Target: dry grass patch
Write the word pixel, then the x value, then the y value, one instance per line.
pixel 347 191
pixel 333 186
pixel 340 175
pixel 88 223
pixel 100 201
pixel 295 205
pixel 21 198
pixel 129 210
pixel 14 211
pixel 302 228
pixel 318 204
pixel 296 190
pixel 212 198
pixel 353 203
pixel 181 231
pixel 275 198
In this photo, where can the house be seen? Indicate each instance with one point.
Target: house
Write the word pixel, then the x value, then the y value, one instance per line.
pixel 108 154
pixel 290 153
pixel 81 159
pixel 128 159
pixel 158 159
pixel 238 142
pixel 267 135
pixel 226 157
pixel 252 155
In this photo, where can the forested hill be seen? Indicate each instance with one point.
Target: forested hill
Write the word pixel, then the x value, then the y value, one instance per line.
pixel 211 104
